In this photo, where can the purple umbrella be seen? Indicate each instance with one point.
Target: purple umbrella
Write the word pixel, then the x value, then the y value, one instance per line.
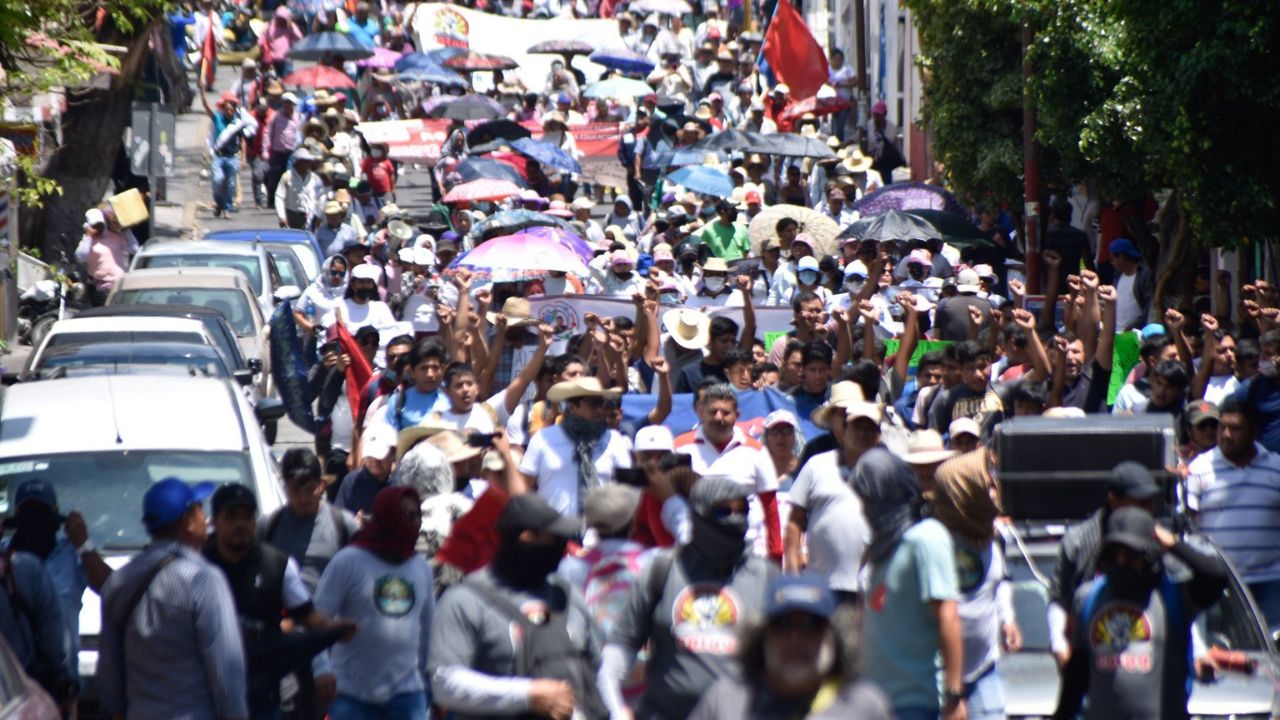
pixel 522 256
pixel 565 238
pixel 382 58
pixel 909 196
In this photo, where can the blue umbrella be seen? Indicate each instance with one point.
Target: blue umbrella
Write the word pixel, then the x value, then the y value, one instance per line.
pixel 478 168
pixel 439 76
pixel 703 180
pixel 626 61
pixel 618 87
pixel 439 55
pixel 323 45
pixel 547 154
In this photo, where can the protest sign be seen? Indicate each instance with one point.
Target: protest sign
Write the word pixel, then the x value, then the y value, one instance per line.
pixel 565 313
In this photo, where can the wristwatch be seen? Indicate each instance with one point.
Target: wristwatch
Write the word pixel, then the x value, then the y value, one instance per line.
pixel 951 698
pixel 88 546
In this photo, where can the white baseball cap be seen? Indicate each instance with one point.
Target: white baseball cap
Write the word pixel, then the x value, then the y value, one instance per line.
pixel 964 426
pixel 379 441
pixel 654 437
pixel 780 417
pixel 365 271
pixel 423 256
pixel 94 216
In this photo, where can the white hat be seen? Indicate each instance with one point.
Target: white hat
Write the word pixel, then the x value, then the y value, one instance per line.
pixel 583 203
pixel 925 447
pixel 857 267
pixel 289 97
pixel 689 329
pixel 425 240
pixel 843 394
pixel 808 262
pixel 654 437
pixel 365 271
pixel 378 441
pixel 869 410
pixel 423 256
pixel 782 88
pixel 967 281
pixel 920 256
pixel 94 216
pixel 780 417
pixel 405 255
pixel 580 387
pixel 985 271
pixel 964 426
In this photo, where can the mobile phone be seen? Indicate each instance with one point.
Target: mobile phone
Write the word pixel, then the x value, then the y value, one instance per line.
pixel 329 347
pixel 480 440
pixel 631 476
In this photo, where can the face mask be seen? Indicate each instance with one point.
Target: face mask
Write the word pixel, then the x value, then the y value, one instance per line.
pixel 37 530
pixel 854 286
pixel 526 565
pixel 623 275
pixel 721 541
pixel 713 283
pixel 377 154
pixel 367 293
pixel 807 277
pixel 1127 581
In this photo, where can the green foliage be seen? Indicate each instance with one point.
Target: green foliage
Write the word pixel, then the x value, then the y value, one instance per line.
pixel 34 188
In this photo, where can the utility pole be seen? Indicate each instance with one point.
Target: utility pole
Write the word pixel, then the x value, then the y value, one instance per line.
pixel 1030 167
pixel 860 60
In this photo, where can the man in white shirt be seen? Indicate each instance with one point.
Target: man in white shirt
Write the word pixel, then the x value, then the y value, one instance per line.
pixel 566 460
pixel 466 413
pixel 1133 285
pixel 298 193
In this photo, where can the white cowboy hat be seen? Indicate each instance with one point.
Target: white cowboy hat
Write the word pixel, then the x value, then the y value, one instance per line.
pixel 842 395
pixel 925 447
pixel 517 311
pixel 689 329
pixel 580 387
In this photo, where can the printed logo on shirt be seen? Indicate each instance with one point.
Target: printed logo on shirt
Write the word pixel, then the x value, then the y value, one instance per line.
pixel 704 619
pixel 969 569
pixel 393 596
pixel 1120 636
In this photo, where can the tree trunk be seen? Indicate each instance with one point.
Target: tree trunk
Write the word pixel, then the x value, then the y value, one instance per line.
pixel 1175 273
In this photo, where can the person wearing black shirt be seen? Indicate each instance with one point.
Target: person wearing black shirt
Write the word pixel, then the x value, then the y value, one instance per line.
pixel 1069 242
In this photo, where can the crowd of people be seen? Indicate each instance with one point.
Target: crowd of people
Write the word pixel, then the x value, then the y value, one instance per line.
pixel 501 521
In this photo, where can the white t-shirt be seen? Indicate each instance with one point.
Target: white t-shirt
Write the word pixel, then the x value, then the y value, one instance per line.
pixel 836 533
pixel 483 417
pixel 744 459
pixel 1128 312
pixel 1220 387
pixel 549 461
pixel 355 316
pixel 841 74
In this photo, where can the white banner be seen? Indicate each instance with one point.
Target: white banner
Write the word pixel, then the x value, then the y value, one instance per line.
pixel 441 25
pixel 565 313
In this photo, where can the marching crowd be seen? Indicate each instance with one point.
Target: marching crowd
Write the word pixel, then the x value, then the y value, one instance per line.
pixel 500 522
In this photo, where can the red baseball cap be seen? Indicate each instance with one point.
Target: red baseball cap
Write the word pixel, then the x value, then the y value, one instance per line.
pixel 751 197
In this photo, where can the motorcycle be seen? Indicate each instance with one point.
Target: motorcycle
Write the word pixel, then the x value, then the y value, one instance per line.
pixel 50 300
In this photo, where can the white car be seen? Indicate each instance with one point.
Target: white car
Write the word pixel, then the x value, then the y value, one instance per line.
pixel 252 259
pixel 102 441
pixel 79 332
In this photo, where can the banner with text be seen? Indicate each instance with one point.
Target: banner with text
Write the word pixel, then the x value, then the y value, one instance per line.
pixel 566 313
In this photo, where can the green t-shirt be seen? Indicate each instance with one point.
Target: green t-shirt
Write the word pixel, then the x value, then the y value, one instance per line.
pixel 728 242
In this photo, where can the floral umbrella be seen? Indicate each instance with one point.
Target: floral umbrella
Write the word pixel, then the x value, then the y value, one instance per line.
pixel 523 256
pixel 512 221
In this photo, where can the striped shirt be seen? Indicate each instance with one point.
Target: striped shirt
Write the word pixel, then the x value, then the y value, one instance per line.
pixel 179 654
pixel 1239 509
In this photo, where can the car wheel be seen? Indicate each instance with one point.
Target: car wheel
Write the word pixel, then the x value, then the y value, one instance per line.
pixel 270 430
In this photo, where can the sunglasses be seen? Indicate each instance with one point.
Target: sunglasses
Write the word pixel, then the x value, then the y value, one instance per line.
pixel 337 273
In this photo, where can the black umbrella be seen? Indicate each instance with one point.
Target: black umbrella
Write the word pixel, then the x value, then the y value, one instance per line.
pixel 326 44
pixel 731 140
pixel 471 107
pixel 494 130
pixel 954 229
pixel 890 226
pixel 478 168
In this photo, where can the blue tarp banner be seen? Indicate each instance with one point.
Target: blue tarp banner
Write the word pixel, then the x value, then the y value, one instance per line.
pixel 753 406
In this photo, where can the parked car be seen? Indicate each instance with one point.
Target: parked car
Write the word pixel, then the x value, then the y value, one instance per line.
pixel 1233 623
pixel 125 358
pixel 252 259
pixel 224 337
pixel 78 332
pixel 303 243
pixel 130 432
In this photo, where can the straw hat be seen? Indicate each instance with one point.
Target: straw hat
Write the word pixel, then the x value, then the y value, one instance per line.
pixel 925 447
pixel 517 311
pixel 854 160
pixel 578 388
pixel 689 329
pixel 430 425
pixel 454 447
pixel 843 394
pixel 715 264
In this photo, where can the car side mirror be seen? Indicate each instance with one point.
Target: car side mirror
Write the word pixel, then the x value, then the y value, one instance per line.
pixel 269 410
pixel 287 292
pixel 243 377
pixel 254 365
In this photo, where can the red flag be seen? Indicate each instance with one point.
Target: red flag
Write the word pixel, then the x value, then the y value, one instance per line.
pixel 792 53
pixel 358 371
pixel 209 51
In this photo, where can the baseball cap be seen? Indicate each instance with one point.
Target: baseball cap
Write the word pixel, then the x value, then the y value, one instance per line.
pixel 920 256
pixel 856 268
pixel 168 499
pixel 233 494
pixel 530 511
pixel 620 257
pixel 610 508
pixel 808 262
pixel 804 239
pixel 1124 246
pixel 1133 528
pixel 879 108
pixel 780 417
pixel 379 441
pixel 751 197
pixel 1152 330
pixel 967 281
pixel 1202 411
pixel 94 216
pixel 1131 480
pixel 654 437
pixel 36 489
pixel 964 426
pixel 365 271
pixel 798 593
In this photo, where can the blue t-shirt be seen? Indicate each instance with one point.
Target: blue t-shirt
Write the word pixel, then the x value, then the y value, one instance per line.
pixel 1263 395
pixel 900 643
pixel 365 32
pixel 417 405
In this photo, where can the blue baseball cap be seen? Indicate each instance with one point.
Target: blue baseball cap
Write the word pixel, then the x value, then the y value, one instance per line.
pixel 168 499
pixel 1153 330
pixel 36 489
pixel 1124 246
pixel 804 593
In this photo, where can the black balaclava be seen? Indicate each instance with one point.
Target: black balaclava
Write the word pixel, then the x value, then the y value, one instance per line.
pixel 719 539
pixel 525 565
pixel 37 529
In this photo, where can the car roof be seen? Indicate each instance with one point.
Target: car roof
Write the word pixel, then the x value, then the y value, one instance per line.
pixel 279 235
pixel 174 310
pixel 120 412
pixel 197 247
pixel 185 277
pixel 138 324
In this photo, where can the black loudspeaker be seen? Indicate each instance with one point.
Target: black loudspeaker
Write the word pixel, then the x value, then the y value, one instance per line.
pixel 1057 468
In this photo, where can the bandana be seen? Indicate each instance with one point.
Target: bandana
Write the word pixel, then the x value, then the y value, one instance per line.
pixel 390 535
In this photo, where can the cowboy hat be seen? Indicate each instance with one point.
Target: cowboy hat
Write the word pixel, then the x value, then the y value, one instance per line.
pixel 432 424
pixel 925 447
pixel 715 264
pixel 580 387
pixel 689 329
pixel 854 161
pixel 517 311
pixel 843 394
pixel 454 447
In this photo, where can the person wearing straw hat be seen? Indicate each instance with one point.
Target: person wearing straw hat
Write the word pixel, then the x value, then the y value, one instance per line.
pixel 925 452
pixel 335 232
pixel 566 460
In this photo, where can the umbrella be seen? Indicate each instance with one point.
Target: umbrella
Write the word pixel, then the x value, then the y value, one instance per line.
pixel 481 191
pixel 547 154
pixel 666 7
pixel 567 238
pixel 477 62
pixel 440 54
pixel 326 44
pixel 731 140
pixel 477 168
pixel 892 225
pixel 703 179
pixel 419 60
pixel 523 256
pixel 816 106
pixel 319 76
pixel 794 145
pixel 821 228
pixel 951 228
pixel 382 58
pixel 469 107
pixel 908 196
pixel 512 221
pixel 438 75
pixel 625 61
pixel 497 129
pixel 562 47
pixel 618 87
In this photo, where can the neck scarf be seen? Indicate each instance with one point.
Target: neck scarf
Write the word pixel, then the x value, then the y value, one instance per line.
pixel 321 283
pixel 389 534
pixel 584 434
pixel 890 498
pixel 961 497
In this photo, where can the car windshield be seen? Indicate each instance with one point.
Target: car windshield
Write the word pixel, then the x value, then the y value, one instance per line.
pixel 133 359
pixel 80 339
pixel 108 486
pixel 247 264
pixel 233 305
pixel 288 266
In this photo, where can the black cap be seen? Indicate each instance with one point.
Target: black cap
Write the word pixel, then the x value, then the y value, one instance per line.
pixel 1131 480
pixel 366 330
pixel 1133 528
pixel 232 495
pixel 531 512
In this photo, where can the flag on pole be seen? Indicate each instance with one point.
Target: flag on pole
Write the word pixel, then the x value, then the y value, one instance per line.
pixel 209 51
pixel 359 371
pixel 790 52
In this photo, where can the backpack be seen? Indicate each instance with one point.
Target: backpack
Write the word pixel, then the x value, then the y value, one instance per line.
pixel 609 581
